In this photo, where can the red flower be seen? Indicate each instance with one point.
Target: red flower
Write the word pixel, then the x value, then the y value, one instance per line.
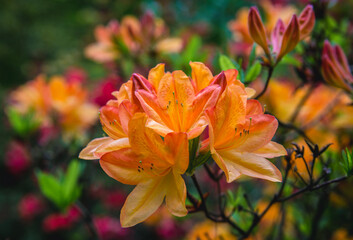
pixel 30 206
pixel 17 159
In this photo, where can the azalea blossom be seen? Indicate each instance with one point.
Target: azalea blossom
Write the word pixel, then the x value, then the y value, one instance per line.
pixel 153 164
pixel 132 36
pixel 240 137
pixel 176 103
pixel 149 125
pixel 56 101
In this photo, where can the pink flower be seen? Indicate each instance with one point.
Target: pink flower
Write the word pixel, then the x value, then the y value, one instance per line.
pixel 109 228
pixel 60 221
pixel 30 206
pixel 168 229
pixel 114 199
pixel 104 90
pixel 75 75
pixel 17 159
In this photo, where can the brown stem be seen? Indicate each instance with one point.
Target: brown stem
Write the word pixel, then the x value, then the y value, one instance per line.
pixel 269 75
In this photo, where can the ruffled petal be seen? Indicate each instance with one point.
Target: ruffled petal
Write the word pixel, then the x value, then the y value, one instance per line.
pixel 88 153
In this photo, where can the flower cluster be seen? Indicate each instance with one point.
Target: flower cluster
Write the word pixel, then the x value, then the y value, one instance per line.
pixel 132 37
pixel 283 39
pixel 151 122
pixel 59 102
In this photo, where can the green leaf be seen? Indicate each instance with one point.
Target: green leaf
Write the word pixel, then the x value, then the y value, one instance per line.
pixel 226 63
pixel 252 54
pixel 193 147
pixel 347 163
pixel 51 188
pixel 71 178
pixel 191 49
pixel 23 124
pixel 253 72
pixel 290 60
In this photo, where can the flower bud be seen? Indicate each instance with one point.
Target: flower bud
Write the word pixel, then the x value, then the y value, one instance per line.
pixel 291 37
pixel 277 36
pixel 306 21
pixel 334 67
pixel 257 29
pixel 139 83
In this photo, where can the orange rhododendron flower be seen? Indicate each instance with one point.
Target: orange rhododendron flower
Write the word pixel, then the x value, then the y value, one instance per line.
pixel 132 36
pixel 151 121
pixel 66 101
pixel 240 136
pixel 177 103
pixel 153 164
pixel 33 96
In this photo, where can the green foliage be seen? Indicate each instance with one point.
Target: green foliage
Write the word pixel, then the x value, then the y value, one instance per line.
pixel 23 124
pixel 347 161
pixel 192 52
pixel 290 60
pixel 253 72
pixel 226 63
pixel 252 55
pixel 64 190
pixel 194 160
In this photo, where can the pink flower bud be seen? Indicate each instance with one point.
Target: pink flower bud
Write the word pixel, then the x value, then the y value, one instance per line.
pixel 306 21
pixel 291 37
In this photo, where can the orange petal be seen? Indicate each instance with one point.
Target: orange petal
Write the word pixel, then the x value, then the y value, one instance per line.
pixel 201 75
pixel 178 145
pixel 184 91
pixel 113 145
pixel 155 75
pixel 249 164
pixel 109 117
pixel 176 195
pixel 88 153
pixel 253 107
pixel 206 99
pixel 122 165
pixel 143 201
pixel 271 150
pixel 262 129
pixel 228 113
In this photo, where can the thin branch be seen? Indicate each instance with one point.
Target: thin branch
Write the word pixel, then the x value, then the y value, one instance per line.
pixel 301 103
pixel 269 75
pixel 87 217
